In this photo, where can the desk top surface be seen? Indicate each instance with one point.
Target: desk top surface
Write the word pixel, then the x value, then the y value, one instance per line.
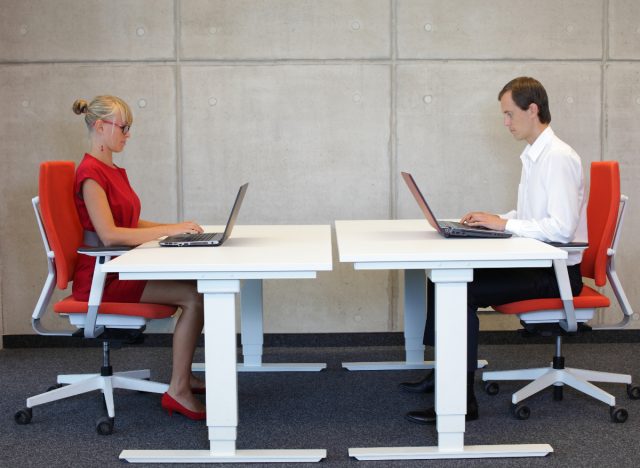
pixel 250 248
pixel 415 241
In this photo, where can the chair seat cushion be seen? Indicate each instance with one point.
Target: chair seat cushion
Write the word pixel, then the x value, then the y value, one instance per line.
pixel 69 305
pixel 588 299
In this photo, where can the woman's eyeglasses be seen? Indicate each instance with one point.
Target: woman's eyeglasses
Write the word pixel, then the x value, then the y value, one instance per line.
pixel 125 128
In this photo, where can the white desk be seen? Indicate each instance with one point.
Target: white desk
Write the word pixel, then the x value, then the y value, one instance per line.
pixel 252 253
pixel 411 245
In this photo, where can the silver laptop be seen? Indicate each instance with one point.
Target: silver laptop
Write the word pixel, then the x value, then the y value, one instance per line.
pixel 447 228
pixel 208 239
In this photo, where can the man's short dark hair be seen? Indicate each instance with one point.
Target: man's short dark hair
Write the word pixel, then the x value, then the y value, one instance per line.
pixel 526 91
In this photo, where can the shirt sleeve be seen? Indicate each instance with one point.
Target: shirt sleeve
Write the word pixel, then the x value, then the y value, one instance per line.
pixel 563 188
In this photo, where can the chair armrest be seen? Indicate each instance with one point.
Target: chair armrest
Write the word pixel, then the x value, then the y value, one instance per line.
pixel 570 246
pixel 111 251
pixel 103 254
pixel 569 324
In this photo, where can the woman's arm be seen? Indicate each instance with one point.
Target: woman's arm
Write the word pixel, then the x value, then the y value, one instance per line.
pixel 99 211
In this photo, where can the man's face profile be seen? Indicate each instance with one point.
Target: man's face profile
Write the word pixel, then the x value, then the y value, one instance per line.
pixel 519 122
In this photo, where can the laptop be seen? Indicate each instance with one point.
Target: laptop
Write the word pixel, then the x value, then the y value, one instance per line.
pixel 208 239
pixel 447 228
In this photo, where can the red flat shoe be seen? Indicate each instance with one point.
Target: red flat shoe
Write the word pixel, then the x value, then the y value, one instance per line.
pixel 172 405
pixel 198 390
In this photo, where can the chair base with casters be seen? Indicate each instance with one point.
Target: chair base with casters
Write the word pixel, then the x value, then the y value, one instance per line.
pixel 130 330
pixel 69 385
pixel 108 322
pixel 567 314
pixel 557 376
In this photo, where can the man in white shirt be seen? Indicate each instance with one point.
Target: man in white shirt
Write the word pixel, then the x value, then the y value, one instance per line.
pixel 551 207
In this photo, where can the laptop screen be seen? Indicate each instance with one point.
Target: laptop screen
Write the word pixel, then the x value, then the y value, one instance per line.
pixel 234 212
pixel 422 203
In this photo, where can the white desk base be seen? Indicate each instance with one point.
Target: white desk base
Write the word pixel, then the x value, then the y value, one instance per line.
pixel 222 401
pixel 450 402
pixel 469 451
pixel 397 365
pixel 206 456
pixel 271 367
pixel 252 336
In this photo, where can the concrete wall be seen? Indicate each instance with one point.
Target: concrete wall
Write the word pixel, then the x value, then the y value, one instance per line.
pixel 318 104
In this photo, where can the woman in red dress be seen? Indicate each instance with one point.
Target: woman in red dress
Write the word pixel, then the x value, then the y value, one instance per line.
pixel 109 210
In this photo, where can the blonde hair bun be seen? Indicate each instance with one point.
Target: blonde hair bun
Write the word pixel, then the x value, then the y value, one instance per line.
pixel 80 106
pixel 103 107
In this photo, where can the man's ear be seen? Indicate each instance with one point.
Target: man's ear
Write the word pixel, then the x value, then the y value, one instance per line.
pixel 533 109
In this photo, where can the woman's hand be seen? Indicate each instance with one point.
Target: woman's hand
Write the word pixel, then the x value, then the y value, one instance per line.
pixel 482 219
pixel 185 227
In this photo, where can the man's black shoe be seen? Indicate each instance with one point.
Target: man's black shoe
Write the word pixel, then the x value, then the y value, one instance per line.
pixel 424 385
pixel 428 416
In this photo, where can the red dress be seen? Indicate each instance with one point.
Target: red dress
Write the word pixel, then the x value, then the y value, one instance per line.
pixel 125 208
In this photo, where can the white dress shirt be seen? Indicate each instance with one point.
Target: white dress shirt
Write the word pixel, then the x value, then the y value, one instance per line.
pixel 551 203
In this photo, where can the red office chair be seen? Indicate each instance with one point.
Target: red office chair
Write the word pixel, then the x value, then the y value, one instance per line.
pixel 62 236
pixel 556 317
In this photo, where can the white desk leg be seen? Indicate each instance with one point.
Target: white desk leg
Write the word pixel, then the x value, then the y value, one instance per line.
pixel 252 335
pixel 222 392
pixel 251 328
pixel 415 317
pixel 451 355
pixel 252 331
pixel 251 322
pixel 220 363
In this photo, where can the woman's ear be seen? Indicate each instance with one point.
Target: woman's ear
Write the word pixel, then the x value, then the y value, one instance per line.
pixel 98 126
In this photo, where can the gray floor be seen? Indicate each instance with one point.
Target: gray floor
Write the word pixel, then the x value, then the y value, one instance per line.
pixel 334 409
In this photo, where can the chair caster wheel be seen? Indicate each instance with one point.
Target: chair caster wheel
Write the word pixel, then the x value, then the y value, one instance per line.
pixel 491 388
pixel 521 411
pixel 633 391
pixel 23 416
pixel 618 414
pixel 104 425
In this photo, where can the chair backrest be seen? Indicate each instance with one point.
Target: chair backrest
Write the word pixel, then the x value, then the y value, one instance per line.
pixel 602 219
pixel 60 217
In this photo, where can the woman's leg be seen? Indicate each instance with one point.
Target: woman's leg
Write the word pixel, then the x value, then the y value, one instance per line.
pixel 185 336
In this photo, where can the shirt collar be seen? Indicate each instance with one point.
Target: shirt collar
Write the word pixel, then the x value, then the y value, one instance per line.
pixel 533 151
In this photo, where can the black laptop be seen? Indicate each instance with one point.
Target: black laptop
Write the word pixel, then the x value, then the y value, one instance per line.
pixel 447 228
pixel 208 239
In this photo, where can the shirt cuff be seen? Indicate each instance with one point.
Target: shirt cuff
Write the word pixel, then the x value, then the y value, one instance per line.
pixel 513 226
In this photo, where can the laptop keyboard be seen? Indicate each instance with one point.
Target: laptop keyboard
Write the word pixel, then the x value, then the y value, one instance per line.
pixel 205 236
pixel 457 225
